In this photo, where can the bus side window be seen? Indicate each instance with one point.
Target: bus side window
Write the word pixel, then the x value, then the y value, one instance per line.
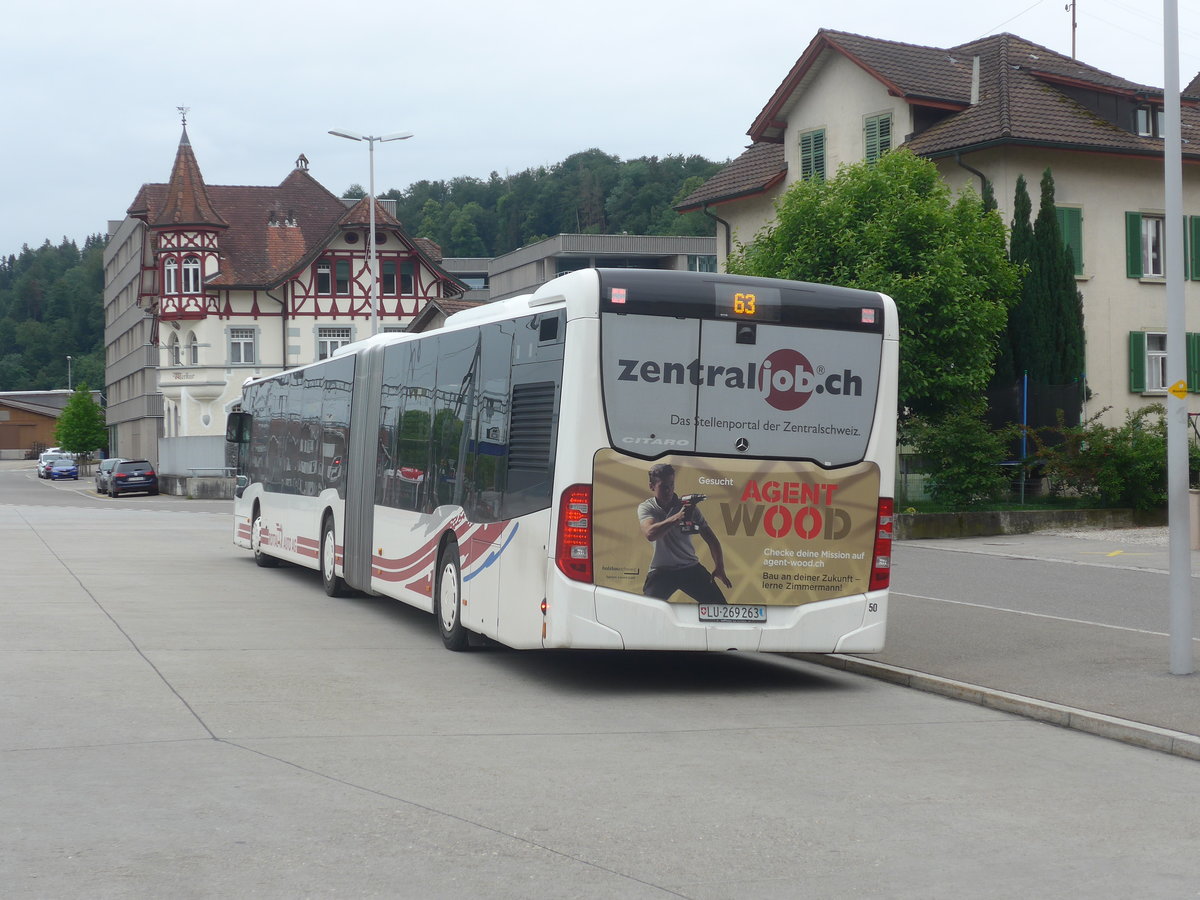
pixel 489 459
pixel 453 404
pixel 415 430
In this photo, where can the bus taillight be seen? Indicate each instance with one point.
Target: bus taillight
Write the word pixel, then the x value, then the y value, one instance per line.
pixel 573 553
pixel 881 560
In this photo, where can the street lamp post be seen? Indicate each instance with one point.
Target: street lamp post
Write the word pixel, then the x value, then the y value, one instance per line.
pixel 68 373
pixel 371 139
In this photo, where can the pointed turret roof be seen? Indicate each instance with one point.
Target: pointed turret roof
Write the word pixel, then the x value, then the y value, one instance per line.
pixel 269 233
pixel 187 201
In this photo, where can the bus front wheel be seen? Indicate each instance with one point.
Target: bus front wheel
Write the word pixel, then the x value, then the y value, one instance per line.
pixel 448 594
pixel 334 586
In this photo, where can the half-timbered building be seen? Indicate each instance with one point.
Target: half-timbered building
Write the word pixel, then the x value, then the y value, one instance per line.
pixel 208 285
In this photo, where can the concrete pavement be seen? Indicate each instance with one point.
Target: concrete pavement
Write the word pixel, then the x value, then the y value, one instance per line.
pixel 1093 679
pixel 179 723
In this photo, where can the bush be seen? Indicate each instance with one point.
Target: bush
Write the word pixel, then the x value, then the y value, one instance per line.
pixel 1124 466
pixel 963 457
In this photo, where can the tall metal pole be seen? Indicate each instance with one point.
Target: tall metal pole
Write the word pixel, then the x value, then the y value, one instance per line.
pixel 371 237
pixel 1177 402
pixel 1072 6
pixel 68 373
pixel 371 264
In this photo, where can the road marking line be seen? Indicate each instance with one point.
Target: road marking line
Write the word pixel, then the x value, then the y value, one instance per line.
pixel 1020 612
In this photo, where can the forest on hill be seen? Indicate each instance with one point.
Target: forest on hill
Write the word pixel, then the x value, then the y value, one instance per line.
pixel 52 296
pixel 52 307
pixel 587 193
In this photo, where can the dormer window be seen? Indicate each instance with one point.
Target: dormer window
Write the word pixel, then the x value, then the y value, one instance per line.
pixel 1150 121
pixel 191 275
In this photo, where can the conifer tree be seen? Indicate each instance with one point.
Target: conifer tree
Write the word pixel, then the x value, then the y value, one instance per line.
pixel 1063 362
pixel 1022 325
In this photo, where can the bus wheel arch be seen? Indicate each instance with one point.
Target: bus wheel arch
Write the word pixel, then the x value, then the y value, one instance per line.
pixel 447 596
pixel 261 558
pixel 333 584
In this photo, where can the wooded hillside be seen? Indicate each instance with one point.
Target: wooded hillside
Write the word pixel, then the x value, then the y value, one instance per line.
pixel 52 297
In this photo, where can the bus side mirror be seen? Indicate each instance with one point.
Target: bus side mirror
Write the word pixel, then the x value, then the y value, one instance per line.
pixel 237 428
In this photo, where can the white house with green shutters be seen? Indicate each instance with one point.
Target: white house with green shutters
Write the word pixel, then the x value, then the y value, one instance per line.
pixel 996 109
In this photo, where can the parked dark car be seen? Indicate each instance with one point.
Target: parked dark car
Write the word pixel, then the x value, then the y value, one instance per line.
pixel 64 468
pixel 132 476
pixel 103 472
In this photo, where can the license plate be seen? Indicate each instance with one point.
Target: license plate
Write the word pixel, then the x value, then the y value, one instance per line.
pixel 136 478
pixel 720 612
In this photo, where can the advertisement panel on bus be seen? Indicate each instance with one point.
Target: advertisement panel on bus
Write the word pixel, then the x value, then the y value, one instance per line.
pixel 762 532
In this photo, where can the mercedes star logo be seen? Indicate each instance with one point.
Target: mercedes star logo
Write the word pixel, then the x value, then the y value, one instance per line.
pixel 742 444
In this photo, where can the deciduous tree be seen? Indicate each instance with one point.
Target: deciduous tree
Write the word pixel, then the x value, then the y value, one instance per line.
pixel 80 428
pixel 895 227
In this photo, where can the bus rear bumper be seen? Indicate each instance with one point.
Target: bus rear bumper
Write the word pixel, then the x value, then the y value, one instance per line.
pixel 823 627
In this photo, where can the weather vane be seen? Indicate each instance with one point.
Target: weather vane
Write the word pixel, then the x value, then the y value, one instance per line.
pixel 183 111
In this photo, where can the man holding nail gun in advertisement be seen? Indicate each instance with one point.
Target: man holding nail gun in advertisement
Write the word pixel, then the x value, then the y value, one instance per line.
pixel 669 521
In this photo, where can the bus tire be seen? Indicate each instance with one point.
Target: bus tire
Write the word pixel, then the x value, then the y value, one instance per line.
pixel 334 586
pixel 261 559
pixel 448 599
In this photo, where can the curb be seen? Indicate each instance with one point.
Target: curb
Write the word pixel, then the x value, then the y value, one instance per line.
pixel 1150 737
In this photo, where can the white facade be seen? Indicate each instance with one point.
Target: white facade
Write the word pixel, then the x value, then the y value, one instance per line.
pixel 836 96
pixel 208 286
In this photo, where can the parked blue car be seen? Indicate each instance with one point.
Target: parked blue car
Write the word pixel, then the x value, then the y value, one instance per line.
pixel 63 468
pixel 132 476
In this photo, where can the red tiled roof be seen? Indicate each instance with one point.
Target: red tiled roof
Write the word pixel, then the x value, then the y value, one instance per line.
pixel 1027 95
pixel 758 169
pixel 360 215
pixel 268 232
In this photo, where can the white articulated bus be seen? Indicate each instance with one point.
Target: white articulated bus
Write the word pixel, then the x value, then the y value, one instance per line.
pixel 624 459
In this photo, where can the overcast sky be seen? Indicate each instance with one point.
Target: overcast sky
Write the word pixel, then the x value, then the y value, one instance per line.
pixel 90 89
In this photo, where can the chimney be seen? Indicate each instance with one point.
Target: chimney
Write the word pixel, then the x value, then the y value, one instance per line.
pixel 975 81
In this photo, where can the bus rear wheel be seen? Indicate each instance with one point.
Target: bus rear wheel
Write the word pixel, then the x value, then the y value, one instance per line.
pixel 334 586
pixel 448 599
pixel 261 559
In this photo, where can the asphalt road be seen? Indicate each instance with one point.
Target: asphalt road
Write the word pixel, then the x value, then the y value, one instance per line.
pixel 1079 619
pixel 178 722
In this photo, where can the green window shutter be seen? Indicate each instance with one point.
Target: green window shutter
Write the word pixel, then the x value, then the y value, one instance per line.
pixel 878 136
pixel 1133 245
pixel 812 155
pixel 1186 254
pixel 1137 362
pixel 1193 242
pixel 1193 362
pixel 1070 223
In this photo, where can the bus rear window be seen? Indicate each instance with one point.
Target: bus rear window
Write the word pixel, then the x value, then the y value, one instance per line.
pixel 724 387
